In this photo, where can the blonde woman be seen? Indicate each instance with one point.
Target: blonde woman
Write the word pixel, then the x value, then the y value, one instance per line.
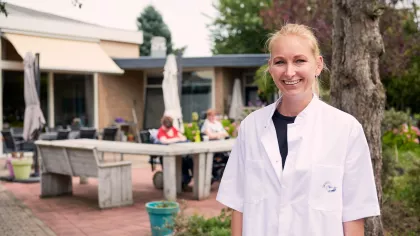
pixel 299 166
pixel 212 127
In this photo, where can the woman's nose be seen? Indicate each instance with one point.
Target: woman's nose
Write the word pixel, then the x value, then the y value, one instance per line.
pixel 290 71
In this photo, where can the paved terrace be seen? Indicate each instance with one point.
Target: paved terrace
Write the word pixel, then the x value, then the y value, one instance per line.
pixel 79 214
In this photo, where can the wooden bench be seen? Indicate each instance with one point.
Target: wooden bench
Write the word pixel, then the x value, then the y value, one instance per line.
pixel 59 164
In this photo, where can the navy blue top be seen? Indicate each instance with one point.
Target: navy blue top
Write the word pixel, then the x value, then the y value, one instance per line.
pixel 280 122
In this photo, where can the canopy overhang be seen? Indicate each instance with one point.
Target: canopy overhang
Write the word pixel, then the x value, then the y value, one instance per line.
pixel 68 55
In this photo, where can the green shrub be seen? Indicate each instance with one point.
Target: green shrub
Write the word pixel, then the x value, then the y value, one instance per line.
pixel 190 130
pixel 413 187
pixel 394 119
pixel 265 83
pixel 389 166
pixel 230 127
pixel 196 225
pixel 404 138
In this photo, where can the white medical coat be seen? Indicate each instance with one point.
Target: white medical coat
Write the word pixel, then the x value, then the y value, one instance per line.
pixel 327 180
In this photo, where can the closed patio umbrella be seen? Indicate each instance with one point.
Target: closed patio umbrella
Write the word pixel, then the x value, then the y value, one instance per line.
pixel 237 103
pixel 170 93
pixel 34 119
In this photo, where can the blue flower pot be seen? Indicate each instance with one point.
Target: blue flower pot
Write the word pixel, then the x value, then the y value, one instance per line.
pixel 161 215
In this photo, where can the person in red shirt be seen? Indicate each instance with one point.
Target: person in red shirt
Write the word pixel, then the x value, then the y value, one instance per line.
pixel 167 133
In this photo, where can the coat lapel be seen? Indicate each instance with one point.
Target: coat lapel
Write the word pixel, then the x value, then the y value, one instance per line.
pixel 271 146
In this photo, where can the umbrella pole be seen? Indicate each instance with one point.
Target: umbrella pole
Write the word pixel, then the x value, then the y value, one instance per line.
pixel 37 73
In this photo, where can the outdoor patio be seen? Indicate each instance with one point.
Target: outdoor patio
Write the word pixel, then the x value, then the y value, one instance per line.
pixel 79 214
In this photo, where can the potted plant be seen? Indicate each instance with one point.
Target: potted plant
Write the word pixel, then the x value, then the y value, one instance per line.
pixel 21 167
pixel 162 215
pixel 130 137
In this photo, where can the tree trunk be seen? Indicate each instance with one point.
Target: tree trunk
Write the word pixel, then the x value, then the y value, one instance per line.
pixel 356 87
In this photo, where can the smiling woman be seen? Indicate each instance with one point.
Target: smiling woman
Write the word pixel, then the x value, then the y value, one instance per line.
pixel 306 158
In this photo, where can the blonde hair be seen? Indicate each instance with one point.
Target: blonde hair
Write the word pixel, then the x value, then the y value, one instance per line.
pixel 301 31
pixel 211 112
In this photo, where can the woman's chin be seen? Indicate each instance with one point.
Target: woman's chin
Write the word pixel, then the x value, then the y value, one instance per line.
pixel 296 93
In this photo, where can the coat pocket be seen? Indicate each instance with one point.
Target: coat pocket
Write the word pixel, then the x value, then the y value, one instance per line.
pixel 254 181
pixel 326 188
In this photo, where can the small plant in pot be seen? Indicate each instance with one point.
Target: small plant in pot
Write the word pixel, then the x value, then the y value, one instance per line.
pixel 162 215
pixel 21 166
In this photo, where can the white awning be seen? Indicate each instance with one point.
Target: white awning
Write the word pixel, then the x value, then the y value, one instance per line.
pixel 65 54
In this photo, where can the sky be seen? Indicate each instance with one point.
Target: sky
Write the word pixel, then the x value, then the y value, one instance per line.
pixel 187 19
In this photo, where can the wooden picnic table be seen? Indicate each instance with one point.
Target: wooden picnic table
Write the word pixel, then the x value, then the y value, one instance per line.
pixel 172 161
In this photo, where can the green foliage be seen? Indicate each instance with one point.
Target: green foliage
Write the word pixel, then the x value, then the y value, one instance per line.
pixel 265 83
pixel 167 204
pixel 239 27
pixel 230 127
pixel 190 130
pixel 400 173
pixel 196 225
pixel 394 119
pixel 403 138
pixel 413 186
pixel 401 190
pixel 151 23
pixel 400 65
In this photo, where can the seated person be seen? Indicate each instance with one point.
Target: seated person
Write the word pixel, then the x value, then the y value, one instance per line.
pixel 167 133
pixel 212 127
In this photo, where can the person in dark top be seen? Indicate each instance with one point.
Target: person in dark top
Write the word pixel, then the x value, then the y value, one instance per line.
pixel 280 122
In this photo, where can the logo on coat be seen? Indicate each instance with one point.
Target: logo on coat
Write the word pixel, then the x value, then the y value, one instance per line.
pixel 329 187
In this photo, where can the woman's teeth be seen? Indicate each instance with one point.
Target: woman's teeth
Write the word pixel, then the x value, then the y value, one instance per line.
pixel 292 82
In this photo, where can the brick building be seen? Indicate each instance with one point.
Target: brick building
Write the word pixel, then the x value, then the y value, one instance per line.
pixel 97 73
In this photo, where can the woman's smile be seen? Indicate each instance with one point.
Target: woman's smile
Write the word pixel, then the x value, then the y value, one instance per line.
pixel 291 82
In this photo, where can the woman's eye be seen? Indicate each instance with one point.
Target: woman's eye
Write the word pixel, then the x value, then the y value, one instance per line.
pixel 300 61
pixel 279 62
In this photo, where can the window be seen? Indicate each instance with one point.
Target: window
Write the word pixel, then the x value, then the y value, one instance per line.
pixel 195 96
pixel 14 100
pixel 196 93
pixel 73 98
pixel 250 90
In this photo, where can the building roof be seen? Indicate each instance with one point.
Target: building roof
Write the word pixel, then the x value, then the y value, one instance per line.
pixel 28 21
pixel 231 60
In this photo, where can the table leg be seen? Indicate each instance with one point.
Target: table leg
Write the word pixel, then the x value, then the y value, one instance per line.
pixel 199 176
pixel 208 175
pixel 178 170
pixel 169 178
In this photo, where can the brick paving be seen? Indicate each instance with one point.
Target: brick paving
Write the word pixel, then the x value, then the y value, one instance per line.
pixel 79 214
pixel 16 219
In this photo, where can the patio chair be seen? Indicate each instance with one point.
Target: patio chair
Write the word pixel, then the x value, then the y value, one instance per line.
pixel 53 129
pixel 145 137
pixel 11 144
pixel 88 133
pixel 63 134
pixel 16 130
pixel 110 133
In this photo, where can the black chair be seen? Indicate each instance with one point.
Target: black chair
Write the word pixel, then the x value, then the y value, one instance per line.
pixel 11 144
pixel 16 130
pixel 87 133
pixel 145 137
pixel 75 127
pixel 63 134
pixel 110 133
pixel 54 129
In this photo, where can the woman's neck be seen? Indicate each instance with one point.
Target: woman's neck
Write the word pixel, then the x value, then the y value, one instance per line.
pixel 292 106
